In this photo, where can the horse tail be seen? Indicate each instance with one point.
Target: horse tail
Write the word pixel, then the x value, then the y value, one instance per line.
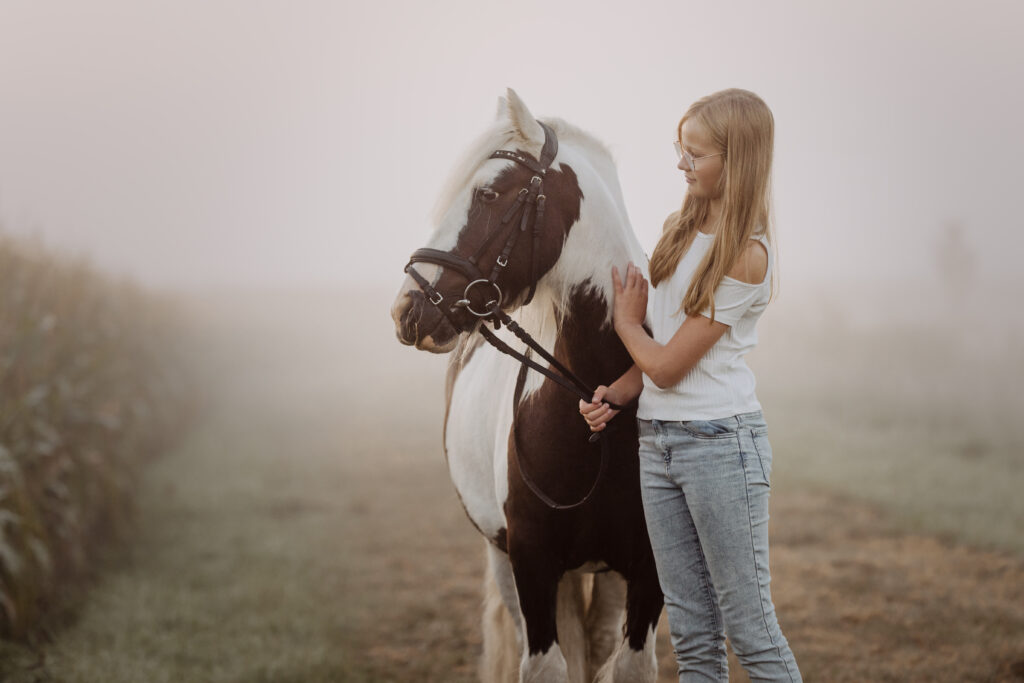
pixel 604 622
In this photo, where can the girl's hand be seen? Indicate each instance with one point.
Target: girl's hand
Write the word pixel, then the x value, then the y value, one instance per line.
pixel 596 413
pixel 630 306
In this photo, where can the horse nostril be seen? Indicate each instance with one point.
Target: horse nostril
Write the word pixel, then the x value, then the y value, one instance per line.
pixel 416 306
pixel 410 317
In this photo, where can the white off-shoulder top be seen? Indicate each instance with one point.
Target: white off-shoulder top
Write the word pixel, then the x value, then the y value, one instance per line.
pixel 720 384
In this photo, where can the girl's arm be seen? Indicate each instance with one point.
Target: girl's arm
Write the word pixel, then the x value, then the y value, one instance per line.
pixel 667 364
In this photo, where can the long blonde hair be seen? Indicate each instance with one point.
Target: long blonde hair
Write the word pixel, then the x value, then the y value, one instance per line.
pixel 742 126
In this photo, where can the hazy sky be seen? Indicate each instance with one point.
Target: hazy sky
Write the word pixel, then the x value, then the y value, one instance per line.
pixel 214 142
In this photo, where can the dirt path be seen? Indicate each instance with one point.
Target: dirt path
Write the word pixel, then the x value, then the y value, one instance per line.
pixel 301 535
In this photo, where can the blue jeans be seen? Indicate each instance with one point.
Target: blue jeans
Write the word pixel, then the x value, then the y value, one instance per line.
pixel 705 492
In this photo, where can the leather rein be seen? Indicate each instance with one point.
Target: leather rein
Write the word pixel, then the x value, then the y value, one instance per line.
pixel 531 200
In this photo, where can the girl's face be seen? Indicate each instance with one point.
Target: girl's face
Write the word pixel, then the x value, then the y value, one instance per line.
pixel 703 181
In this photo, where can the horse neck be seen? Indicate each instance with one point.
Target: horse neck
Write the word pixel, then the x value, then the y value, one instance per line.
pixel 586 343
pixel 571 311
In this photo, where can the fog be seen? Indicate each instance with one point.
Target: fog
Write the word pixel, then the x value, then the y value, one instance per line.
pixel 281 144
pixel 273 164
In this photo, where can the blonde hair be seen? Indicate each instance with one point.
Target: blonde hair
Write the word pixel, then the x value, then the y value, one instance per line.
pixel 742 126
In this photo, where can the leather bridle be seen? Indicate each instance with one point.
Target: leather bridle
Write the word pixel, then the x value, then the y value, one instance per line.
pixel 529 197
pixel 532 200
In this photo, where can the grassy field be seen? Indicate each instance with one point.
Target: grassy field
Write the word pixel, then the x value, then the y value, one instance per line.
pixel 306 530
pixel 90 390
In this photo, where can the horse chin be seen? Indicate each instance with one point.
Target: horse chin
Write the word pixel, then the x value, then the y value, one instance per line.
pixel 441 338
pixel 428 344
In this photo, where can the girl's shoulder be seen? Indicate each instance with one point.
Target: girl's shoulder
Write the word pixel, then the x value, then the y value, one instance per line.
pixel 751 266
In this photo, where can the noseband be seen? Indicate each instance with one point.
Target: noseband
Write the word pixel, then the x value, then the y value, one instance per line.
pixel 533 199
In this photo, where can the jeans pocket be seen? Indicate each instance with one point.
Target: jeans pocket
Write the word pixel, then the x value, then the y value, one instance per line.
pixel 710 429
pixel 763 449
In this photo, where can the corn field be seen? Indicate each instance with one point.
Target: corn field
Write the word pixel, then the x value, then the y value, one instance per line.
pixel 90 387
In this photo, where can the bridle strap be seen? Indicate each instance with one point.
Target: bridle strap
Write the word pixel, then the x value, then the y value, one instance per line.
pixel 531 195
pixel 526 361
pixel 530 483
pixel 445 258
pixel 567 379
pixel 547 153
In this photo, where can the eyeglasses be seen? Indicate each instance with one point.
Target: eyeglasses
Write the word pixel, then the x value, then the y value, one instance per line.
pixel 688 158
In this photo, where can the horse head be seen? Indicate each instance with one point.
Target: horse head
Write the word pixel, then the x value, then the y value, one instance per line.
pixel 508 212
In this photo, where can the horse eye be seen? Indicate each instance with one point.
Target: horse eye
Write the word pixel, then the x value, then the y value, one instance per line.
pixel 488 195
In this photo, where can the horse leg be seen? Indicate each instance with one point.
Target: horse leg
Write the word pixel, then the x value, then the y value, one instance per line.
pixel 569 626
pixel 634 660
pixel 537 584
pixel 604 618
pixel 502 621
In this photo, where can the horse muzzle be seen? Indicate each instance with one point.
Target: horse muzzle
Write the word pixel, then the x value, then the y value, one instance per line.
pixel 419 323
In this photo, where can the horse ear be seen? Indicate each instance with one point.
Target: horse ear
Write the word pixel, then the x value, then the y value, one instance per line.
pixel 522 119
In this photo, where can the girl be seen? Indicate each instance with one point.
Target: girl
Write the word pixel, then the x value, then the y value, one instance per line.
pixel 705 459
